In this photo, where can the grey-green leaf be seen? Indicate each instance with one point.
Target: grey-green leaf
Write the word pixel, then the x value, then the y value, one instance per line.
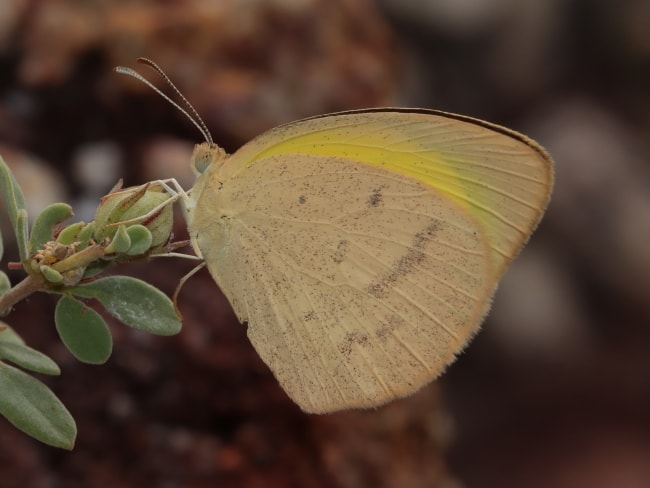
pixel 44 225
pixel 71 233
pixel 141 240
pixel 28 358
pixel 22 233
pixel 11 192
pixel 133 302
pixel 5 283
pixel 33 408
pixel 7 334
pixel 95 268
pixel 50 274
pixel 120 242
pixel 83 331
pixel 85 235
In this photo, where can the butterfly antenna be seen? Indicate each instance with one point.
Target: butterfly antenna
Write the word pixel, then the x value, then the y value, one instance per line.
pixel 194 117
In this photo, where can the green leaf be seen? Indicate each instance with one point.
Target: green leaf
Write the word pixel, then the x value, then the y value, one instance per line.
pixel 86 235
pixel 50 274
pixel 95 268
pixel 133 302
pixel 12 194
pixel 22 231
pixel 7 334
pixel 13 349
pixel 141 240
pixel 5 283
pixel 120 242
pixel 47 220
pixel 28 358
pixel 83 331
pixel 33 408
pixel 71 233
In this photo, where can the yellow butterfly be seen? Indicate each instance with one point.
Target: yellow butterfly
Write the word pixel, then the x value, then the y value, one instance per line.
pixel 363 248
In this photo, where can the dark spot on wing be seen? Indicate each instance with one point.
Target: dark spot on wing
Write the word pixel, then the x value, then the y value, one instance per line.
pixel 341 251
pixel 381 287
pixel 308 316
pixel 376 198
pixel 425 235
pixel 388 327
pixel 350 340
pixel 302 199
pixel 378 289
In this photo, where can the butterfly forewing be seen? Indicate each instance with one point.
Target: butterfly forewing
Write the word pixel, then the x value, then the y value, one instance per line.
pixel 500 176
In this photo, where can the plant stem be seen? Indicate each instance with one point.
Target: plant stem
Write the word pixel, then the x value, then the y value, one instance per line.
pixel 22 290
pixel 36 282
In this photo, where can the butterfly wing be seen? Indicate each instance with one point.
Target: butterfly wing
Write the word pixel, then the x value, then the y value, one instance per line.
pixel 362 259
pixel 500 176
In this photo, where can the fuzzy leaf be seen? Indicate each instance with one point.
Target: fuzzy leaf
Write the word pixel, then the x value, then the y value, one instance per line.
pixel 33 408
pixel 86 235
pixel 22 233
pixel 95 268
pixel 47 220
pixel 5 283
pixel 50 274
pixel 12 194
pixel 83 331
pixel 141 240
pixel 120 242
pixel 71 233
pixel 133 302
pixel 27 358
pixel 7 334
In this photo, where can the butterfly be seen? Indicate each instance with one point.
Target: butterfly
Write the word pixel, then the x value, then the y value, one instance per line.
pixel 363 248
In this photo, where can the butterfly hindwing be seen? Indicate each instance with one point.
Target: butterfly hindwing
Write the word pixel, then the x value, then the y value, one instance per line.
pixel 358 285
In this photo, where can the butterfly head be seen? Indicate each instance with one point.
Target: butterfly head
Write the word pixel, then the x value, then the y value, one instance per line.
pixel 205 155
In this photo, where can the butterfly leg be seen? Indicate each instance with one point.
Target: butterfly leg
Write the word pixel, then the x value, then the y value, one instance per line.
pixel 177 193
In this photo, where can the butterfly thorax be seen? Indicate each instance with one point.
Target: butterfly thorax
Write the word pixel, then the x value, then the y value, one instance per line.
pixel 206 160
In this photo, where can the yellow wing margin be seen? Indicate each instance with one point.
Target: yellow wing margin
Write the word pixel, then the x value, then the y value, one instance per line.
pixel 500 176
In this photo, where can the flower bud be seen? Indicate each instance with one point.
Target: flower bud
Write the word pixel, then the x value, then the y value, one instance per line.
pixel 135 206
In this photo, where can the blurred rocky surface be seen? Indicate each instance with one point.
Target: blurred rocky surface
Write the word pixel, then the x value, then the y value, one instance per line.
pixel 554 391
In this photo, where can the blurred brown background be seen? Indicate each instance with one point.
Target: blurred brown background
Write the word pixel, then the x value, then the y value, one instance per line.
pixel 554 392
